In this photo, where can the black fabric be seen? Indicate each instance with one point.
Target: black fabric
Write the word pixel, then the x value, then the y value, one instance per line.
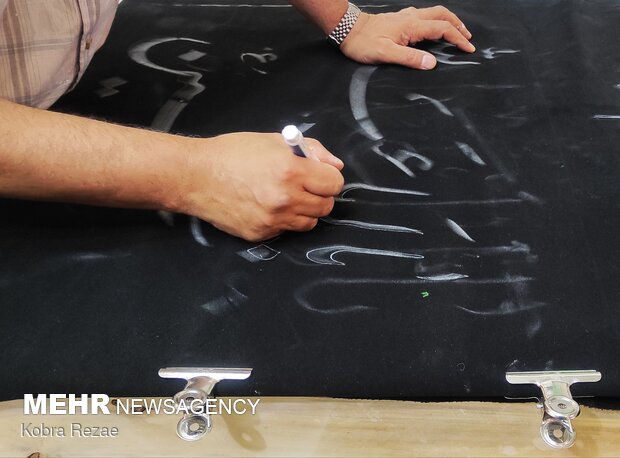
pixel 515 146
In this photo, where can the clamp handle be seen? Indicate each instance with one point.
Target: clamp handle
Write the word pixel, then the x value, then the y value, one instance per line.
pixel 559 406
pixel 200 384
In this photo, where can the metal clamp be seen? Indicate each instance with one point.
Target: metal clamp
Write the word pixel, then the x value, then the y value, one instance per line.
pixel 558 403
pixel 200 384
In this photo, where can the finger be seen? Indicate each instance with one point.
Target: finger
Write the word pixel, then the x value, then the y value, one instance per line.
pixel 314 206
pixel 442 13
pixel 301 223
pixel 321 179
pixel 249 233
pixel 394 53
pixel 434 30
pixel 320 153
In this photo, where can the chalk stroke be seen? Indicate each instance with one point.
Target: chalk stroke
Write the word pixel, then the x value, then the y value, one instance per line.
pixel 445 58
pixel 396 162
pixel 515 247
pixel 368 187
pixel 492 53
pixel 167 217
pixel 305 127
pixel 533 328
pixel 505 308
pixel 599 116
pixel 401 155
pixel 259 253
pixel 449 171
pixel 370 226
pixel 260 58
pixel 325 255
pixel 444 203
pixel 497 162
pixel 218 306
pixel 494 86
pixel 109 86
pixel 458 230
pixel 442 277
pixel 334 311
pixel 526 196
pixel 196 229
pixel 192 55
pixel 301 295
pixel 168 113
pixel 436 103
pixel 469 152
pixel 357 99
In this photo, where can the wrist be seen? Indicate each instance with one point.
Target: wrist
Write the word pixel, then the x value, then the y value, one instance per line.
pixel 339 11
pixel 359 25
pixel 324 14
pixel 200 178
pixel 342 30
pixel 179 163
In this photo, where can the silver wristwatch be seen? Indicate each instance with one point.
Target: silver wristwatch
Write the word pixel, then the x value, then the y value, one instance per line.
pixel 345 25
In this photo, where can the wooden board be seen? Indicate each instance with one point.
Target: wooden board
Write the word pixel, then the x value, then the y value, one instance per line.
pixel 326 427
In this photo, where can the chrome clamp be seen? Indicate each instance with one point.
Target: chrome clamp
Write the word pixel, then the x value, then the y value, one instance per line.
pixel 200 384
pixel 558 403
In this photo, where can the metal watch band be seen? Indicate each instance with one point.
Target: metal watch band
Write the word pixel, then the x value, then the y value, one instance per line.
pixel 345 25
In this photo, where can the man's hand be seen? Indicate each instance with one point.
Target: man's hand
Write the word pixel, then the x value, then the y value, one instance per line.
pixel 385 38
pixel 253 186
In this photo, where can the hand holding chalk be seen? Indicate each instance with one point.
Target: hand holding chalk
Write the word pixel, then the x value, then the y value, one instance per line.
pixel 295 139
pixel 250 185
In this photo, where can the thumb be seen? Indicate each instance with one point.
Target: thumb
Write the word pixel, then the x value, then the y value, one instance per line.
pixel 318 152
pixel 408 57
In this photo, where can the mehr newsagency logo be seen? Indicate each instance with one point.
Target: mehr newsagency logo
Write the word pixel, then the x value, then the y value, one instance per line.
pixel 100 404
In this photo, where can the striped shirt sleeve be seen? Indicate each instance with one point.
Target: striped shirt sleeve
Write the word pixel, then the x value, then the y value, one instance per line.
pixel 45 46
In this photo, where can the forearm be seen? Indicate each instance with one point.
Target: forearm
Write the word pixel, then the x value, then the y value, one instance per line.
pixel 53 156
pixel 326 14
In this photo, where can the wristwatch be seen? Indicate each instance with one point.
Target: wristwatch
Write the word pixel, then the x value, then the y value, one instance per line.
pixel 345 25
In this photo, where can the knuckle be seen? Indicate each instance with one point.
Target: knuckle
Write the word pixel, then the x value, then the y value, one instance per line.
pixel 309 224
pixel 281 202
pixel 313 142
pixel 414 59
pixel 328 206
pixel 253 237
pixel 339 183
pixel 275 200
pixel 269 222
pixel 336 184
pixel 287 171
pixel 256 234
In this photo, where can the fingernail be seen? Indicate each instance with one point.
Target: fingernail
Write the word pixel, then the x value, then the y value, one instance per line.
pixel 338 162
pixel 428 62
